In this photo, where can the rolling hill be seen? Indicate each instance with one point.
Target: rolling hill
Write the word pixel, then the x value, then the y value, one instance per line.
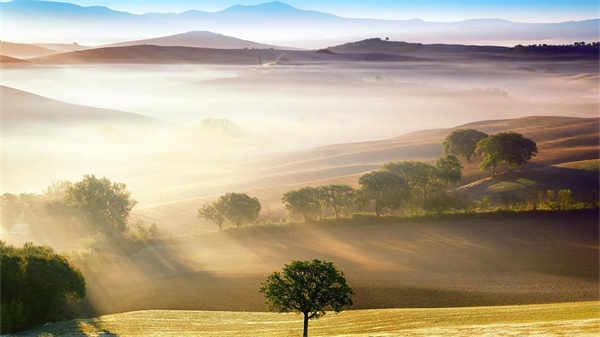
pixel 279 21
pixel 8 59
pixel 572 319
pixel 23 50
pixel 199 39
pixel 22 111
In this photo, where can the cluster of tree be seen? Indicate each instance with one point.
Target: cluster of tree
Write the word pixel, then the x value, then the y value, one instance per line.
pixel 590 47
pixel 37 286
pixel 505 148
pixel 236 208
pixel 311 202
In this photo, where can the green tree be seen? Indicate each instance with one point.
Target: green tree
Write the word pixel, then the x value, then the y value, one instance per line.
pixel 463 142
pixel 386 189
pixel 101 203
pixel 449 169
pixel 307 287
pixel 421 178
pixel 507 147
pixel 304 201
pixel 212 214
pixel 37 285
pixel 238 208
pixel 338 197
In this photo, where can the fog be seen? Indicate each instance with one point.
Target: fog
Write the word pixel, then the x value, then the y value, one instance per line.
pixel 261 111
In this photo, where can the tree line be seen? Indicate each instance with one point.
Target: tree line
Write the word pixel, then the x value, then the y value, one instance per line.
pixel 403 185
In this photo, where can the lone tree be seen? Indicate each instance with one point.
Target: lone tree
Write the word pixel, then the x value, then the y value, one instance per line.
pixel 308 287
pixel 507 147
pixel 463 143
pixel 102 203
pixel 338 197
pixel 238 208
pixel 212 214
pixel 385 188
pixel 304 201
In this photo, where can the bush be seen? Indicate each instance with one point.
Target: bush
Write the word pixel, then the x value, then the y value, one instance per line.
pixel 37 286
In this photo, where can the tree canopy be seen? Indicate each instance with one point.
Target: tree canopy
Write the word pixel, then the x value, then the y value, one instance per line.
pixel 463 142
pixel 212 214
pixel 307 287
pixel 449 169
pixel 338 197
pixel 102 203
pixel 238 208
pixel 385 188
pixel 37 285
pixel 304 201
pixel 505 148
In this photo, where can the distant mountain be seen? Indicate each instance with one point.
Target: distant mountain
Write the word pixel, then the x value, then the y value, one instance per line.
pixel 199 39
pixel 272 21
pixel 62 47
pixel 23 50
pixel 22 110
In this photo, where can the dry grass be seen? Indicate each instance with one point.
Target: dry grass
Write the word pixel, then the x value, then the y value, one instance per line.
pixel 565 319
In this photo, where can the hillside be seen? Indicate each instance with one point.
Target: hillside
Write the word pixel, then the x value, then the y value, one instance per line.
pixel 572 319
pixel 473 260
pixel 199 39
pixel 8 59
pixel 560 140
pixel 22 110
pixel 23 50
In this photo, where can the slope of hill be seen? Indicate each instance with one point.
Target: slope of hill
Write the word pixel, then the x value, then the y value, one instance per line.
pixel 277 20
pixel 22 110
pixel 572 319
pixel 8 59
pixel 149 54
pixel 23 50
pixel 199 39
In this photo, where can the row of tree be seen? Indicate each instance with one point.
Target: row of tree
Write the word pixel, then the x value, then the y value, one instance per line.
pixel 410 185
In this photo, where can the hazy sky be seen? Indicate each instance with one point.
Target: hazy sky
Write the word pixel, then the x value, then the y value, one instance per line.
pixel 440 10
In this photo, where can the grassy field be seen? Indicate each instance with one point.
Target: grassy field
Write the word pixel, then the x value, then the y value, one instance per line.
pixel 565 319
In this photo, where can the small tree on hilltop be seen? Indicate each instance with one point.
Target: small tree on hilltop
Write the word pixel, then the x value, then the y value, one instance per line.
pixel 507 147
pixel 304 201
pixel 463 142
pixel 238 208
pixel 212 214
pixel 307 287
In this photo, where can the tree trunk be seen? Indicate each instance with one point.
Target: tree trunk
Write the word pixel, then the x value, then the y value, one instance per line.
pixel 305 334
pixel 377 211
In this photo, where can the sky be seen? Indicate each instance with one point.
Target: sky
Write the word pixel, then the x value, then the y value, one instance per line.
pixel 431 10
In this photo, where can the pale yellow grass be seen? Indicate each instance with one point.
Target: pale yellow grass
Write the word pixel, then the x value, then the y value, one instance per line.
pixel 565 319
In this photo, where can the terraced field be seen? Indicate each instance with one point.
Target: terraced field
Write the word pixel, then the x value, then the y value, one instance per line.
pixel 565 319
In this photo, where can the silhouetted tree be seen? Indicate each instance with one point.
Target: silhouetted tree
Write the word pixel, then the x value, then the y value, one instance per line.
pixel 304 201
pixel 212 214
pixel 101 203
pixel 308 287
pixel 463 142
pixel 386 189
pixel 238 208
pixel 507 147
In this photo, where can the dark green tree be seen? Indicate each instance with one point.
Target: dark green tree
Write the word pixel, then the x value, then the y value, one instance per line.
pixel 101 203
pixel 210 213
pixel 386 189
pixel 421 178
pixel 505 148
pixel 339 197
pixel 305 202
pixel 463 142
pixel 37 286
pixel 238 208
pixel 307 287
